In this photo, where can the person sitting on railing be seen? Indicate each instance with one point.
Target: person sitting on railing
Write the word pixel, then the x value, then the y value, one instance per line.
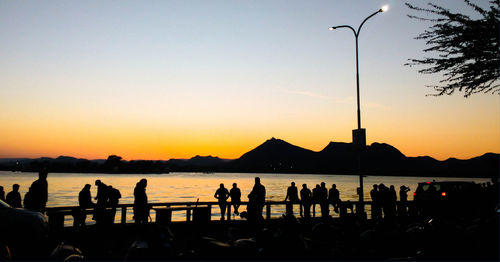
pixel 141 208
pixel 235 195
pixel 222 195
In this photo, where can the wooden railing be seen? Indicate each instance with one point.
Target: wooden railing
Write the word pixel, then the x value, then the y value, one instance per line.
pixel 57 215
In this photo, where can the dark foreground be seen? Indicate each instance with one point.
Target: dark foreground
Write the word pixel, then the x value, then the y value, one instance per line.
pixel 287 238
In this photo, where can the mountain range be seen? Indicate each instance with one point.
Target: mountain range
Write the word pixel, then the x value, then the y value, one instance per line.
pixel 278 156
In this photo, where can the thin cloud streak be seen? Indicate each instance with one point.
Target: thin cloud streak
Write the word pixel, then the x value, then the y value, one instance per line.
pixel 340 100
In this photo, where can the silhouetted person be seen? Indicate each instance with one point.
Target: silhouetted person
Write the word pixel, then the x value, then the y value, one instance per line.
pixel 393 199
pixel 344 206
pixel 141 208
pixel 27 203
pixel 113 199
pixel 2 194
pixel 385 200
pixel 14 197
pixel 85 201
pixel 39 192
pixel 256 200
pixel 292 195
pixel 403 200
pixel 102 200
pixel 334 198
pixel 222 195
pixel 376 207
pixel 315 198
pixel 235 195
pixel 85 198
pixel 305 199
pixel 323 200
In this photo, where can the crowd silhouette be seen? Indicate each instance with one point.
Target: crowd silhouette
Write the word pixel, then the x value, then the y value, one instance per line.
pixel 384 200
pixel 391 233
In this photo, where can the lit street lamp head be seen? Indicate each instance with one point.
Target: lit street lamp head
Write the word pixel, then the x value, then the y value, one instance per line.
pixel 331 28
pixel 384 8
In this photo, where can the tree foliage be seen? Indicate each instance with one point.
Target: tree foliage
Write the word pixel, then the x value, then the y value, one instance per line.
pixel 464 50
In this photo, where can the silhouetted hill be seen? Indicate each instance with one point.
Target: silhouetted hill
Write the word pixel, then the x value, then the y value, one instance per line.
pixel 278 156
pixel 275 155
pixel 198 164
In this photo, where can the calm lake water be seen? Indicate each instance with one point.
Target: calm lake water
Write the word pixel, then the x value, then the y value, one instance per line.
pixel 185 187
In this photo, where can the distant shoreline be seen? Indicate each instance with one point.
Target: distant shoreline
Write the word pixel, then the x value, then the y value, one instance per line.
pixel 257 173
pixel 280 157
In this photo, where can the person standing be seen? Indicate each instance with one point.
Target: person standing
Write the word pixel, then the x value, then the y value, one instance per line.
pixel 85 198
pixel 113 200
pixel 85 201
pixel 376 207
pixel 334 198
pixel 141 208
pixel 393 199
pixel 222 195
pixel 403 199
pixel 292 195
pixel 315 198
pixel 235 195
pixel 14 197
pixel 39 192
pixel 102 199
pixel 305 199
pixel 323 200
pixel 384 197
pixel 256 200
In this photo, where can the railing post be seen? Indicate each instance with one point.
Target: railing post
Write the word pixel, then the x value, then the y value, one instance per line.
pixel 209 212
pixel 124 214
pixel 228 210
pixel 188 213
pixel 268 211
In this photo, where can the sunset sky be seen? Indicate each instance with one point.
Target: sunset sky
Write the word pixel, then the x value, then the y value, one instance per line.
pixel 175 79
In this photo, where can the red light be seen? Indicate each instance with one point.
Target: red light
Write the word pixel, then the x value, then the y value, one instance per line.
pixel 443 194
pixel 427 183
pixel 413 193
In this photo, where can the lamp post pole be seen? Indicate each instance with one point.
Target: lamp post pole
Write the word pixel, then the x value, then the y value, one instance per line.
pixel 359 135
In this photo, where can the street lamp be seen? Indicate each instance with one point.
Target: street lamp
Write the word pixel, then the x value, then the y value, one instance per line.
pixel 359 135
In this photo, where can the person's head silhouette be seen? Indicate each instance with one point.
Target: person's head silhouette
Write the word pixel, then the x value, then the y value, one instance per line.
pixel 144 182
pixel 42 174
